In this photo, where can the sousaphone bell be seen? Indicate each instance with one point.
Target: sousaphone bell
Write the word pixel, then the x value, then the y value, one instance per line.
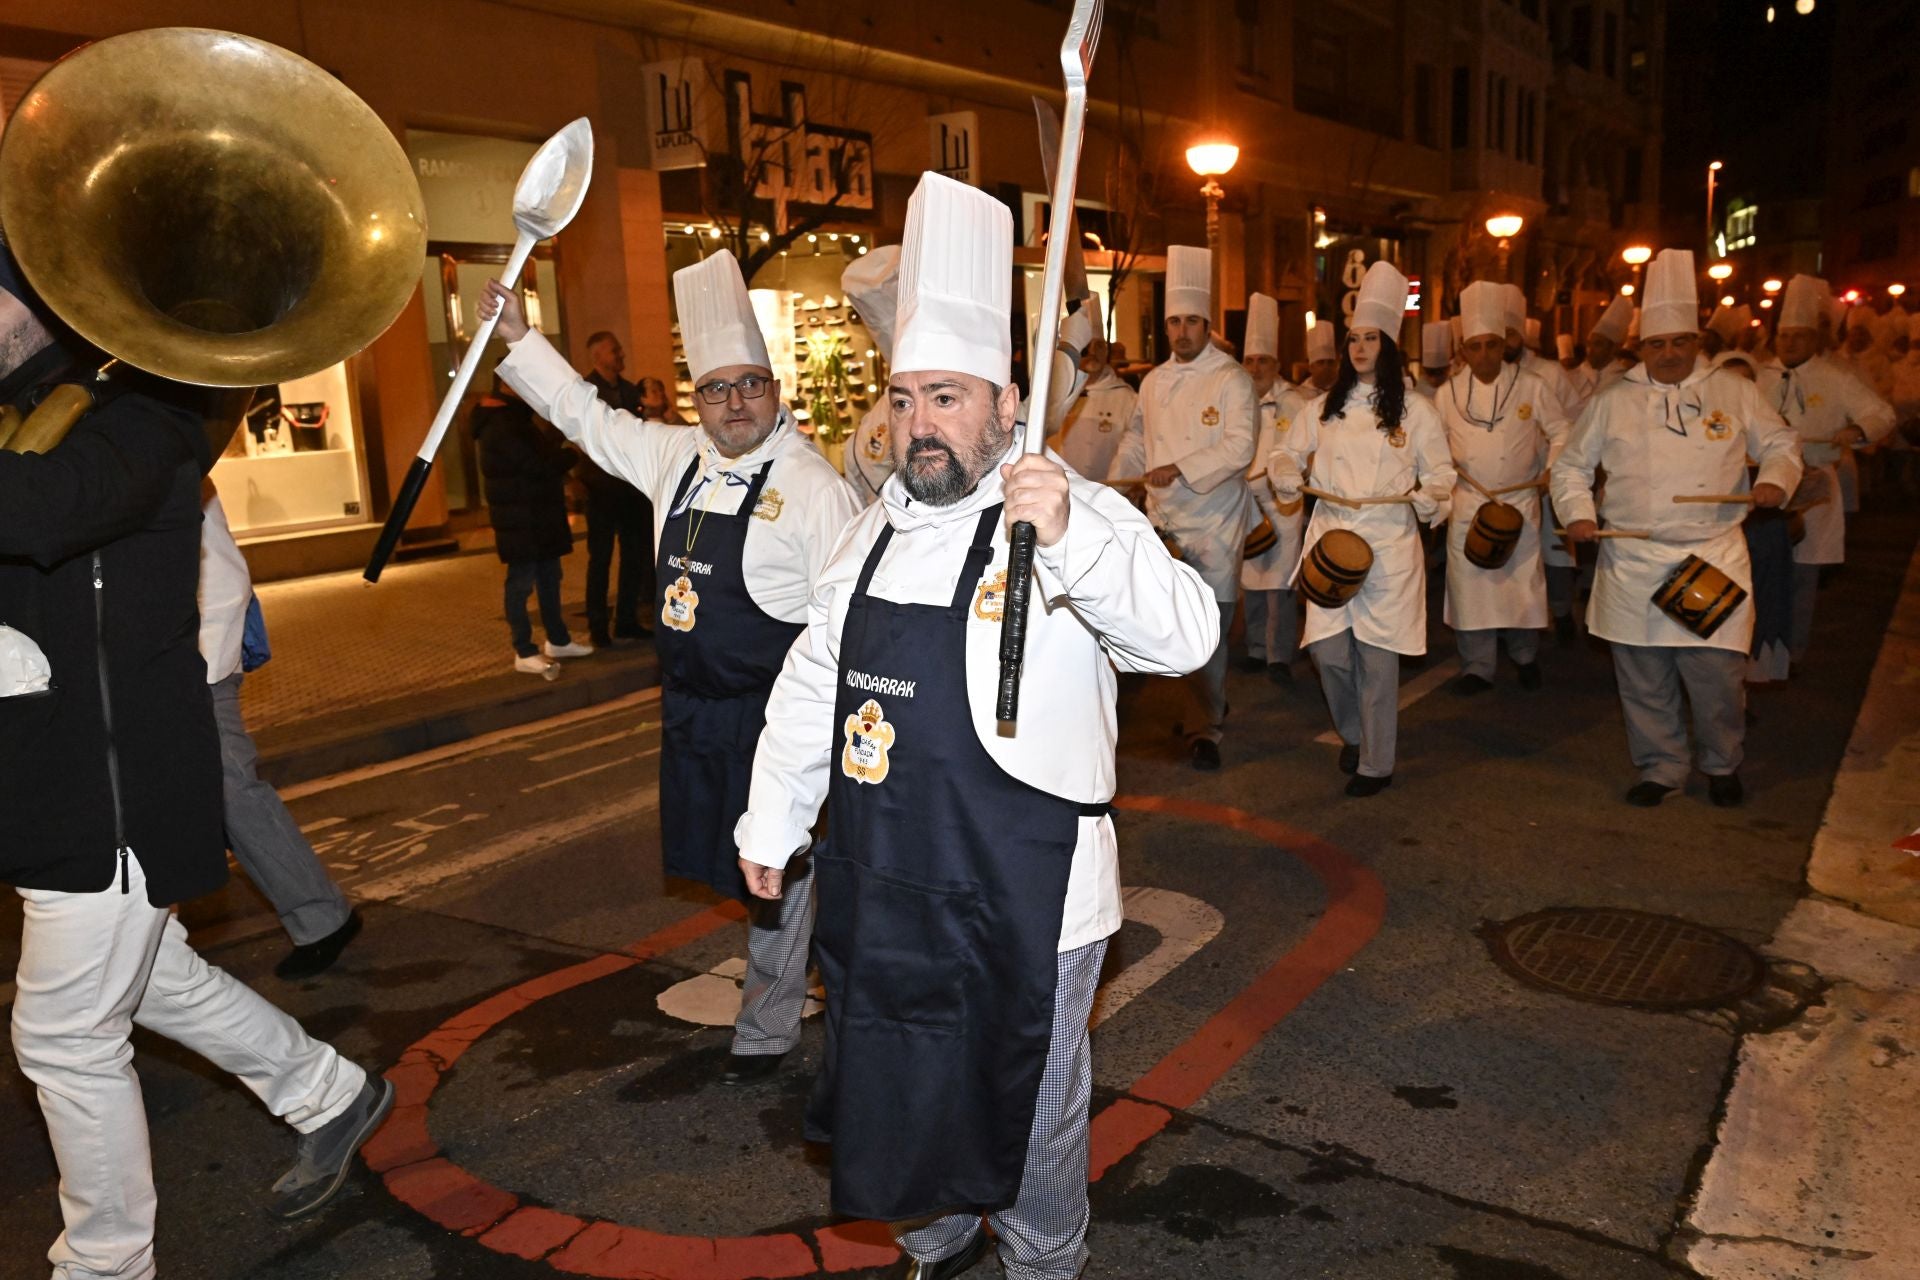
pixel 210 208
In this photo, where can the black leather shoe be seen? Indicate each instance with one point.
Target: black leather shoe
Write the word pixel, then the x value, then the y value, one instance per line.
pixel 1279 673
pixel 947 1268
pixel 601 638
pixel 1648 795
pixel 1725 790
pixel 1362 785
pixel 312 959
pixel 744 1068
pixel 631 631
pixel 1529 675
pixel 1565 632
pixel 1205 756
pixel 1468 685
pixel 1349 759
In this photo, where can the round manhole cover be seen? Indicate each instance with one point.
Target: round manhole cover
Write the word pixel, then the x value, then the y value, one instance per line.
pixel 1623 957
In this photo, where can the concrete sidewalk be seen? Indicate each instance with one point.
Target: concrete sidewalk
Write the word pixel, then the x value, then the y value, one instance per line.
pixel 1818 1151
pixel 366 672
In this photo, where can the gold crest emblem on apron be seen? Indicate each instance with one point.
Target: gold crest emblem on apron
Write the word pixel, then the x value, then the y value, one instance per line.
pixel 869 736
pixel 990 601
pixel 1524 412
pixel 1397 438
pixel 1719 427
pixel 770 506
pixel 1211 418
pixel 876 442
pixel 678 607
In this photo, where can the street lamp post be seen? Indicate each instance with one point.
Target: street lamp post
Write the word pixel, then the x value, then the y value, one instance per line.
pixel 1504 227
pixel 1713 175
pixel 1636 256
pixel 1211 161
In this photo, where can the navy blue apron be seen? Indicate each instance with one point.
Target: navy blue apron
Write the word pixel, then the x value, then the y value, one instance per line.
pixel 719 654
pixel 942 886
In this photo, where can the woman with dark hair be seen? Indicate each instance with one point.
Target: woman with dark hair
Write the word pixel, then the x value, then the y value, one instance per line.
pixel 1368 439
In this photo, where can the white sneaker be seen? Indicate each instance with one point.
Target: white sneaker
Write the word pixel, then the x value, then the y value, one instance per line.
pixel 535 665
pixel 572 649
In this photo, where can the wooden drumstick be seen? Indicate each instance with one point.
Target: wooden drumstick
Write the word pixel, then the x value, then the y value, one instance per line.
pixel 1125 482
pixel 1614 533
pixel 1713 497
pixel 1538 482
pixel 1403 498
pixel 1475 485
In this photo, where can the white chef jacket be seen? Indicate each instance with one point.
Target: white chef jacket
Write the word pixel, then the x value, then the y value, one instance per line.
pixel 1506 433
pixel 869 453
pixel 1273 570
pixel 1585 382
pixel 1906 390
pixel 1626 431
pixel 1818 399
pixel 1106 595
pixel 1353 457
pixel 226 588
pixel 803 506
pixel 1200 416
pixel 1096 426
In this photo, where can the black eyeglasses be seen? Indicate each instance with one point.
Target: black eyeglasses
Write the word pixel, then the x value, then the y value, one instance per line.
pixel 750 387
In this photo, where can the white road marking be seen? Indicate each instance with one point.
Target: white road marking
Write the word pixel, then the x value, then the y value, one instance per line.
pixel 1410 692
pixel 1185 924
pixel 554 782
pixel 485 742
pixel 400 885
pixel 591 743
pixel 712 999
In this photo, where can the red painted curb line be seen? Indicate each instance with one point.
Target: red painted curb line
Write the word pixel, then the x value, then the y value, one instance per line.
pixel 418 1175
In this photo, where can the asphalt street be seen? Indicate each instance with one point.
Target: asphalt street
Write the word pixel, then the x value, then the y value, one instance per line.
pixel 1307 1064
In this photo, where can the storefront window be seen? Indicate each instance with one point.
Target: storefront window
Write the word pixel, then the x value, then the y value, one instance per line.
pixel 295 462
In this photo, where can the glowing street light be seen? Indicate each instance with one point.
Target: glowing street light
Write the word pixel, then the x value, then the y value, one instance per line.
pixel 1713 174
pixel 1626 291
pixel 1771 285
pixel 1504 227
pixel 1896 290
pixel 1727 301
pixel 1720 270
pixel 1211 160
pixel 1636 255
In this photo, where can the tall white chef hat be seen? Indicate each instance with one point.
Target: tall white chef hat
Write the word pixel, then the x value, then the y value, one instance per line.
pixel 1483 310
pixel 1436 344
pixel 1803 303
pixel 1263 326
pixel 1090 308
pixel 1742 320
pixel 869 283
pixel 1563 345
pixel 1516 299
pixel 1724 322
pixel 956 283
pixel 1633 326
pixel 1189 281
pixel 1672 299
pixel 1533 333
pixel 717 323
pixel 1382 300
pixel 1458 324
pixel 1320 344
pixel 1613 322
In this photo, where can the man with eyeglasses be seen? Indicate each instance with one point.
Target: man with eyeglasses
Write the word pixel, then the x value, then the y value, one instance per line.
pixel 1670 429
pixel 746 511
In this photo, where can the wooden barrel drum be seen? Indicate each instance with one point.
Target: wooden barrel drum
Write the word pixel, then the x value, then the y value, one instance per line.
pixel 1334 569
pixel 1260 540
pixel 1493 535
pixel 1699 597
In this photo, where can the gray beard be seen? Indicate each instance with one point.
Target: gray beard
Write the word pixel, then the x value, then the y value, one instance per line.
pixel 958 477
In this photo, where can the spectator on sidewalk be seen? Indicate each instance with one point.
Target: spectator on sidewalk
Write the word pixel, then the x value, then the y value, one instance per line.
pixel 262 834
pixel 525 469
pixel 655 406
pixel 616 512
pixel 110 809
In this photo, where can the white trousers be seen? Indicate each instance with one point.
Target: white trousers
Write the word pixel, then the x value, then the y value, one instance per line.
pixel 91 966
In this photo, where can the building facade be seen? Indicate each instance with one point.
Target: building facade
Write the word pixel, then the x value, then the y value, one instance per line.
pixel 792 131
pixel 1872 231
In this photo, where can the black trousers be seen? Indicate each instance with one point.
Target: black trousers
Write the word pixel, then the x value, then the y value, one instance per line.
pixel 619 513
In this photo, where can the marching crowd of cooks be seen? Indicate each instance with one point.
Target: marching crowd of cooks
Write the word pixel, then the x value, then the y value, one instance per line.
pixel 831 643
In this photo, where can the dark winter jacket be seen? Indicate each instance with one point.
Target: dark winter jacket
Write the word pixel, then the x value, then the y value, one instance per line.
pixel 100 566
pixel 525 468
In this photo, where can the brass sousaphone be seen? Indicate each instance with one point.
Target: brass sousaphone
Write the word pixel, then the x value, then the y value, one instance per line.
pixel 209 208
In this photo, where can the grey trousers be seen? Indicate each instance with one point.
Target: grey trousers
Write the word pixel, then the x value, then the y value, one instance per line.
pixel 265 839
pixel 1480 650
pixel 1043 1236
pixel 1806 590
pixel 1560 590
pixel 1273 627
pixel 1651 679
pixel 1209 685
pixel 1362 684
pixel 774 993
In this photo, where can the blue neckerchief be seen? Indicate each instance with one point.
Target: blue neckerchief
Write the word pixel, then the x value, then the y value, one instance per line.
pixel 694 489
